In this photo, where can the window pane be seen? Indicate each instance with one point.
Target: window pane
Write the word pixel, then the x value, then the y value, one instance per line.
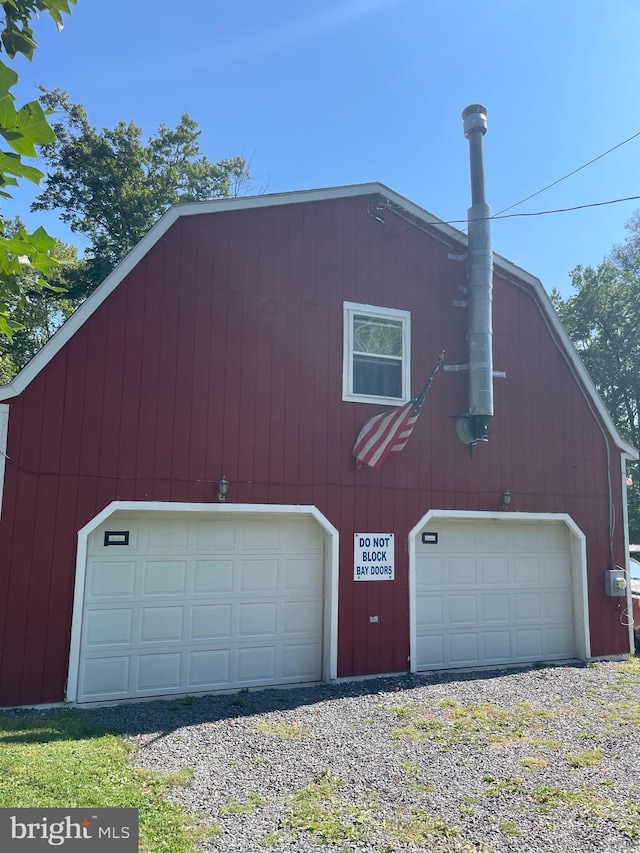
pixel 377 377
pixel 377 336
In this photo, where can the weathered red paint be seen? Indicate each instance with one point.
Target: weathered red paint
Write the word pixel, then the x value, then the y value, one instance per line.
pixel 221 353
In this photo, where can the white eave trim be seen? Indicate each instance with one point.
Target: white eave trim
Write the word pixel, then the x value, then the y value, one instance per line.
pixel 4 433
pixel 55 344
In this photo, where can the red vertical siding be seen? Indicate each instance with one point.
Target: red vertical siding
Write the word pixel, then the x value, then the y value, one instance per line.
pixel 221 353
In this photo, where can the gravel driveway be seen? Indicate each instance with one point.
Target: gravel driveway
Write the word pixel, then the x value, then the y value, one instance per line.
pixel 542 759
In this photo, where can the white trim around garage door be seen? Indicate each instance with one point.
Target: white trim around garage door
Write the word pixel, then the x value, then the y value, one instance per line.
pixel 4 433
pixel 330 656
pixel 578 568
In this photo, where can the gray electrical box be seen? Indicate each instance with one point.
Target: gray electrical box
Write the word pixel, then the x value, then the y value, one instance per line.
pixel 615 582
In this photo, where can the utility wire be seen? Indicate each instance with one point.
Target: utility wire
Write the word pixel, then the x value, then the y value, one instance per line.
pixel 575 171
pixel 538 212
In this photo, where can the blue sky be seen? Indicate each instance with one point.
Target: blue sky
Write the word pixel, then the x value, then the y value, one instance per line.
pixel 330 92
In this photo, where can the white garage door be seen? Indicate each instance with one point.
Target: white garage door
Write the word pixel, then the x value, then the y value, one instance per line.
pixel 197 603
pixel 491 592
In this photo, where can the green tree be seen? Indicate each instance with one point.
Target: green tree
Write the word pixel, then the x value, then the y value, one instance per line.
pixel 111 185
pixel 21 130
pixel 602 318
pixel 37 312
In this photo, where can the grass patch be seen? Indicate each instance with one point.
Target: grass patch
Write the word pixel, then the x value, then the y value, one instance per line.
pixel 283 730
pixel 533 762
pixel 400 710
pixel 631 666
pixel 507 786
pixel 450 724
pixel 585 758
pixel 316 810
pixel 420 826
pixel 413 772
pixel 60 760
pixel 510 828
pixel 622 714
pixel 251 802
pixel 584 800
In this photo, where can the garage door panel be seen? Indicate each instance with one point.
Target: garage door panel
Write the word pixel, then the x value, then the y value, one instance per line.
pixel 515 598
pixel 462 608
pixel 260 536
pixel 460 571
pixel 557 605
pixel 212 576
pixel 463 648
pixel 553 570
pixel 106 677
pixel 528 643
pixel 165 535
pixel 211 621
pixel 495 607
pixel 494 570
pixel 258 575
pixel 429 609
pixel 115 578
pixel 497 646
pixel 256 664
pixel 430 649
pixel 430 574
pixel 196 620
pixel 303 536
pixel 558 641
pixel 209 669
pixel 303 574
pixel 301 617
pixel 161 623
pixel 112 626
pixel 215 537
pixel 527 606
pixel 301 661
pixel 525 570
pixel 165 577
pixel 159 672
pixel 257 618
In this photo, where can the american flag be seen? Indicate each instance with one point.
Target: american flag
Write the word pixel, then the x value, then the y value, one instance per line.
pixel 389 432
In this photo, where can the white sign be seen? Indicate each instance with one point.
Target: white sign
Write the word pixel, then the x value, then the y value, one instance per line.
pixel 373 557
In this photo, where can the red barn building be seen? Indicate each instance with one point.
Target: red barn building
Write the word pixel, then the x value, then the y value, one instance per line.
pixel 248 340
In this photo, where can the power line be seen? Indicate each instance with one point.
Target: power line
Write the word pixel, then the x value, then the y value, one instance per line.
pixel 575 171
pixel 540 212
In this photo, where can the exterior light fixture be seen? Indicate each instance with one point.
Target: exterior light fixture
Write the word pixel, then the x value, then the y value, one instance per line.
pixel 505 499
pixel 223 488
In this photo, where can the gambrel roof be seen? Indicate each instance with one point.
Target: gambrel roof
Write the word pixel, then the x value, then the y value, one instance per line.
pixel 503 268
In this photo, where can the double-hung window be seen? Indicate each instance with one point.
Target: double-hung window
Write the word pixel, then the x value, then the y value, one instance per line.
pixel 376 354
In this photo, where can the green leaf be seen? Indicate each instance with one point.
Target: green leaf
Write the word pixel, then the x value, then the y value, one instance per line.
pixel 19 41
pixel 8 78
pixel 5 325
pixel 13 165
pixel 42 241
pixel 33 123
pixel 8 115
pixel 16 246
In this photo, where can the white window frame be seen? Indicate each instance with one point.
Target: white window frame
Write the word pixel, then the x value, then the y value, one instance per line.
pixel 352 308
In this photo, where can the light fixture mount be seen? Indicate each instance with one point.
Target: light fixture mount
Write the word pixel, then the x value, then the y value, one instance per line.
pixel 223 489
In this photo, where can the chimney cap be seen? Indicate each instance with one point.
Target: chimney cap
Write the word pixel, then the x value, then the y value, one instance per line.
pixel 475 118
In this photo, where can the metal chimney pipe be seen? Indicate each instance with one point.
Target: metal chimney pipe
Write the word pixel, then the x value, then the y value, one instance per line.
pixel 480 272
